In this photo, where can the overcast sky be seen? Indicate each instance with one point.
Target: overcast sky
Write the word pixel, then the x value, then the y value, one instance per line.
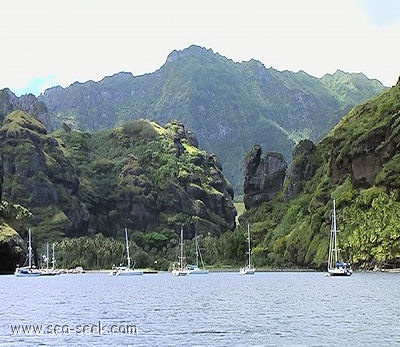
pixel 57 42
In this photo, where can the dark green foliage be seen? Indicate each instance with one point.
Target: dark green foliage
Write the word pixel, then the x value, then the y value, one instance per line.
pixel 140 175
pixel 358 165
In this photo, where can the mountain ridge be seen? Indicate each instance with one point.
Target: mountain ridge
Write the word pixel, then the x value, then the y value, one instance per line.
pixel 229 105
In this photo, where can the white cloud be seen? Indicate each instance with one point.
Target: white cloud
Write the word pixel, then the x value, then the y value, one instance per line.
pixel 81 40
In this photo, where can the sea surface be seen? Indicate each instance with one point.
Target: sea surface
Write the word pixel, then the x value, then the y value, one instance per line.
pixel 219 309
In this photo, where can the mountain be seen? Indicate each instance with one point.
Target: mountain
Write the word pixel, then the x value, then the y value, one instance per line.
pixel 27 103
pixel 229 106
pixel 357 164
pixel 139 175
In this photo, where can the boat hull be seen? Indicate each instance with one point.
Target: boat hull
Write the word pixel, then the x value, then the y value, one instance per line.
pixel 180 272
pixel 27 273
pixel 247 271
pixel 339 272
pixel 49 273
pixel 199 272
pixel 129 272
pixel 195 270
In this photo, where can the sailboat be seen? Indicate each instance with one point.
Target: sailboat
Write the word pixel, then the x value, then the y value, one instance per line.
pixel 336 267
pixel 180 271
pixel 248 269
pixel 126 270
pixel 47 271
pixel 28 271
pixel 195 269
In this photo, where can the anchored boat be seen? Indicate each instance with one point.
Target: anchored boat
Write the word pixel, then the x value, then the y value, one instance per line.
pixel 126 270
pixel 181 270
pixel 30 270
pixel 248 269
pixel 336 267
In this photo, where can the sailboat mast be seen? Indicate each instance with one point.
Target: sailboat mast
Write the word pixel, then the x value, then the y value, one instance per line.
pixel 181 250
pixel 47 256
pixel 330 245
pixel 127 248
pixel 29 249
pixel 53 260
pixel 196 250
pixel 248 238
pixel 334 231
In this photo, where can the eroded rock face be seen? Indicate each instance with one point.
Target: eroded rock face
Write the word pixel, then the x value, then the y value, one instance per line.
pixel 38 176
pixel 367 156
pixel 1 175
pixel 301 169
pixel 263 176
pixel 12 249
pixel 9 102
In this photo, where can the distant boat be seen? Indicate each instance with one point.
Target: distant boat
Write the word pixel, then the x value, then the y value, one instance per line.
pixel 181 270
pixel 336 267
pixel 195 269
pixel 49 271
pixel 126 270
pixel 28 271
pixel 248 269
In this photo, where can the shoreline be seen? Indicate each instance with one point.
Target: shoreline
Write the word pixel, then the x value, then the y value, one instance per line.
pixel 211 270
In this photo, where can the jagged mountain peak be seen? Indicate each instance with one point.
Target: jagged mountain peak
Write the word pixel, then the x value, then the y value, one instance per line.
pixel 229 105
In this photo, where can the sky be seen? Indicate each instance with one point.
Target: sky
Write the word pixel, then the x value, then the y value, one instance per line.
pixel 45 43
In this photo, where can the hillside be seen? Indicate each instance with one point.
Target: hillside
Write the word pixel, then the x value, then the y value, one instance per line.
pixel 140 175
pixel 229 106
pixel 357 164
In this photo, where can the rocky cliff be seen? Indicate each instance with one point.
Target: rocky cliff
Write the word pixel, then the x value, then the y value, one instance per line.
pixel 357 164
pixel 301 169
pixel 12 249
pixel 142 176
pixel 27 103
pixel 264 176
pixel 150 177
pixel 39 177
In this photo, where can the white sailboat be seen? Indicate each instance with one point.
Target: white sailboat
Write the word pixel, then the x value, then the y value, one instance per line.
pixel 336 267
pixel 248 269
pixel 28 271
pixel 47 271
pixel 126 270
pixel 180 271
pixel 195 269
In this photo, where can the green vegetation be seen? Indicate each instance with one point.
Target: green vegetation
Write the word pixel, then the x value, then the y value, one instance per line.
pixel 358 165
pixel 81 189
pixel 229 106
pixel 147 178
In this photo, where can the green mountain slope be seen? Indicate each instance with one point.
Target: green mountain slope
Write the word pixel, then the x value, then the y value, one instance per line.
pixel 147 178
pixel 230 106
pixel 357 164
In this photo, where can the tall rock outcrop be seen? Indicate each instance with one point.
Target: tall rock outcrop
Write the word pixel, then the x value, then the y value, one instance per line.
pixel 301 169
pixel 264 177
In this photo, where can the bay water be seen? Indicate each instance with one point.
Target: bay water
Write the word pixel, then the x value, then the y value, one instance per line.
pixel 218 309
